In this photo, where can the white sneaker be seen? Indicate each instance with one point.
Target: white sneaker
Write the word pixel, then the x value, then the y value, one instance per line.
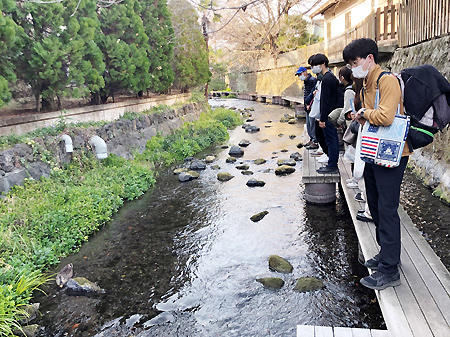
pixel 352 184
pixel 323 158
pixel 350 180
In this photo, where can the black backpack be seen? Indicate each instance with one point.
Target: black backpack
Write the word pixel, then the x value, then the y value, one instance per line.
pixel 426 99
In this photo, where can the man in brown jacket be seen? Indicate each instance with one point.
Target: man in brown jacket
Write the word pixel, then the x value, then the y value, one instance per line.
pixel 382 183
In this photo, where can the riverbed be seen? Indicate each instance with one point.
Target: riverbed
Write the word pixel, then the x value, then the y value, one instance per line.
pixel 183 260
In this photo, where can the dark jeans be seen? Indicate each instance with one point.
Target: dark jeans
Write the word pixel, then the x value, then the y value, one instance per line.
pixel 383 197
pixel 329 142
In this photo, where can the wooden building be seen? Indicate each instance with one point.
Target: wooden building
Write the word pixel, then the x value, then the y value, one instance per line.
pixel 391 23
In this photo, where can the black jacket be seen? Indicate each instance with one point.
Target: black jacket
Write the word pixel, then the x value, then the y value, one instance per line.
pixel 308 88
pixel 328 97
pixel 425 86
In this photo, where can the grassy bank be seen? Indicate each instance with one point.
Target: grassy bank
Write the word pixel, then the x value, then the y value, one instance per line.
pixel 45 220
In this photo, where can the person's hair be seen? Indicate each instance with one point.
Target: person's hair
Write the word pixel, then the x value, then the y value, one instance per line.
pixel 310 59
pixel 319 59
pixel 360 48
pixel 347 74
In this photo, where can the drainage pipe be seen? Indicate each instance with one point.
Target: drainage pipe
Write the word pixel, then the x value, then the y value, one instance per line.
pixel 68 142
pixel 99 146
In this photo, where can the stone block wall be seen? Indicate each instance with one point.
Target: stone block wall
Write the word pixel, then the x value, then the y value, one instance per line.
pixel 37 158
pixel 431 163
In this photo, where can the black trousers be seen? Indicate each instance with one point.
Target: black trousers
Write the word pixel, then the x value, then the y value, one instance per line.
pixel 383 197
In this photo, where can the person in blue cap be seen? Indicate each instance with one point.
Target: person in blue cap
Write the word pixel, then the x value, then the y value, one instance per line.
pixel 309 83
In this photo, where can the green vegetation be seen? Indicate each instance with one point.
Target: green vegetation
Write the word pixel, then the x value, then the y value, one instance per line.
pixel 45 220
pixel 82 49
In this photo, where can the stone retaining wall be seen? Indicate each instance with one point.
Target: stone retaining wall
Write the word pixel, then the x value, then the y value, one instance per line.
pixel 93 113
pixel 122 137
pixel 431 163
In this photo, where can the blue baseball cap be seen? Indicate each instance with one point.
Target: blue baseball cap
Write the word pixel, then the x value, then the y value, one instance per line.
pixel 300 70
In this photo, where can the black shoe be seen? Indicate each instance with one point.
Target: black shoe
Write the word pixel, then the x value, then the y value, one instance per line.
pixel 380 281
pixel 358 197
pixel 312 146
pixel 328 170
pixel 373 262
pixel 361 211
pixel 363 217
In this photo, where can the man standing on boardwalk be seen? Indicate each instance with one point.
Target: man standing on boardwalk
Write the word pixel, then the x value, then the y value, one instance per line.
pixel 309 84
pixel 325 130
pixel 382 183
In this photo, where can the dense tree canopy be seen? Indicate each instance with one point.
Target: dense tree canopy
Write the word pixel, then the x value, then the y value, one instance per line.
pixel 190 62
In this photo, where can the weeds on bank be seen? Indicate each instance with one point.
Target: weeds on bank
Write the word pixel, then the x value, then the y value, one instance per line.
pixel 44 220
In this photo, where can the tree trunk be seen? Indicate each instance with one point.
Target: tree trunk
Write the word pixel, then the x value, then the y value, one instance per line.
pixel 37 97
pixel 206 37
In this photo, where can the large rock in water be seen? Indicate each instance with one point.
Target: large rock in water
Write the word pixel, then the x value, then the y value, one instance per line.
pixel 259 161
pixel 82 286
pixel 308 284
pixel 290 162
pixel 259 216
pixel 187 176
pixel 296 156
pixel 271 282
pixel 284 169
pixel 197 165
pixel 244 143
pixel 252 182
pixel 180 170
pixel 236 151
pixel 224 176
pixel 279 264
pixel 209 159
pixel 242 167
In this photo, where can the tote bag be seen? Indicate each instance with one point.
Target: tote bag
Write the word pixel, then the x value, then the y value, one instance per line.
pixel 383 145
pixel 315 108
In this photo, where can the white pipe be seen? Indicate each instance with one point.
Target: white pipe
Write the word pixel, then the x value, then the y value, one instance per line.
pixel 68 142
pixel 99 147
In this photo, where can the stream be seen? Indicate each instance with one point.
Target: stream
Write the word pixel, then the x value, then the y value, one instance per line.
pixel 183 259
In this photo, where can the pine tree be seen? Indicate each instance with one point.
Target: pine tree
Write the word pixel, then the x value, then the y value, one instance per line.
pixel 124 44
pixel 10 45
pixel 55 43
pixel 190 62
pixel 158 26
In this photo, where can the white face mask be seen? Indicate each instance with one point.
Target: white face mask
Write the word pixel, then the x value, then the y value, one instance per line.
pixel 359 72
pixel 316 69
pixel 302 77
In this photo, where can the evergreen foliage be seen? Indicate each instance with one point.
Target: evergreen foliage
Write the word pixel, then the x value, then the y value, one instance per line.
pixel 190 61
pixel 158 26
pixel 10 43
pixel 76 49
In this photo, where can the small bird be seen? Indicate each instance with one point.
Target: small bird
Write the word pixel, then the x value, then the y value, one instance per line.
pixel 64 275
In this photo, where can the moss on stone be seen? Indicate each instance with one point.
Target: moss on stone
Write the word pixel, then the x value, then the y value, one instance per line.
pixel 277 263
pixel 305 284
pixel 271 282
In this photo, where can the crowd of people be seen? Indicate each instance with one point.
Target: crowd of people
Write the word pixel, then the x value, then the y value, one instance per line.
pixel 346 102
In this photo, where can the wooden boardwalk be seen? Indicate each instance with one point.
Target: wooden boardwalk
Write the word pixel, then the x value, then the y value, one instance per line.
pixel 319 188
pixel 327 331
pixel 420 306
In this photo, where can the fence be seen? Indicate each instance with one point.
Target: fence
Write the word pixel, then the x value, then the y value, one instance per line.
pixel 405 24
pixel 422 20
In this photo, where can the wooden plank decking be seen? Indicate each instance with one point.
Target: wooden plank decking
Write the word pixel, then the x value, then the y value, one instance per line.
pixel 420 306
pixel 309 171
pixel 326 331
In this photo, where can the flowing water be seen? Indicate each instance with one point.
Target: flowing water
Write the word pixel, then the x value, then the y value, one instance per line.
pixel 183 260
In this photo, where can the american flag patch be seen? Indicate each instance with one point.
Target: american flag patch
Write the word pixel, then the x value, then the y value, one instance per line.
pixel 369 146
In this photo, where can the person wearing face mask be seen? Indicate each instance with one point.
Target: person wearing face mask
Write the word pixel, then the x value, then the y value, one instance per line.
pixel 309 83
pixel 326 132
pixel 382 183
